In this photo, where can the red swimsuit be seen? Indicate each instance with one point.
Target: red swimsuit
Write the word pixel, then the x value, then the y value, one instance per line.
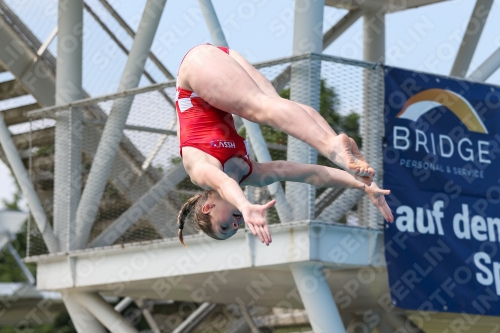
pixel 209 129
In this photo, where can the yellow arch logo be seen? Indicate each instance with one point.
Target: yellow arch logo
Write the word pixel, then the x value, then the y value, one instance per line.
pixel 428 99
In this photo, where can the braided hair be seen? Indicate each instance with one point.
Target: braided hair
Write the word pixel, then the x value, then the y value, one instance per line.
pixel 202 221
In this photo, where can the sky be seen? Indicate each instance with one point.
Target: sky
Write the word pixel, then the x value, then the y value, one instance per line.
pixel 425 39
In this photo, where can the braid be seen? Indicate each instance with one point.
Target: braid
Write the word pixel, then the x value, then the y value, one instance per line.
pixel 202 221
pixel 184 212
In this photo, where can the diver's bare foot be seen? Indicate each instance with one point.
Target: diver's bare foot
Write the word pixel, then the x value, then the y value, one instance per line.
pixel 343 156
pixel 357 154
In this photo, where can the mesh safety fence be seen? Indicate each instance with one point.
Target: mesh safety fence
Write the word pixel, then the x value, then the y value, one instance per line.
pixel 348 95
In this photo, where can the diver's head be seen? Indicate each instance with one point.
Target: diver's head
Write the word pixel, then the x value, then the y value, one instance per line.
pixel 213 215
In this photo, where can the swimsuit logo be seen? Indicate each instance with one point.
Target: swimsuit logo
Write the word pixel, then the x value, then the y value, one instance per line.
pixel 222 144
pixel 429 99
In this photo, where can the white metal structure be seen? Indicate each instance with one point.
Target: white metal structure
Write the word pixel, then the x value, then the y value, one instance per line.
pixel 310 261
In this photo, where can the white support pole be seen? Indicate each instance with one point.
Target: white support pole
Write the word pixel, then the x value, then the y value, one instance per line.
pixel 148 316
pixel 21 264
pixel 17 167
pixel 372 119
pixel 317 298
pixel 122 305
pixel 68 132
pixel 213 24
pixel 341 26
pixel 47 42
pixel 374 36
pixel 487 68
pixel 103 311
pixel 471 37
pixel 305 89
pixel 83 320
pixel 113 131
pixel 194 318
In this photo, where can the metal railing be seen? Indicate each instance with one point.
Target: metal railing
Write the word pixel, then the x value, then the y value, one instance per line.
pixel 349 90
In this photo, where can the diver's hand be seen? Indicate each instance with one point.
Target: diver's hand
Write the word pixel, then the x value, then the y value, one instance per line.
pixel 255 218
pixel 377 197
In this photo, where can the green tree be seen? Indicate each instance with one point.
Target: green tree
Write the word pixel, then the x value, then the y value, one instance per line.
pixel 14 203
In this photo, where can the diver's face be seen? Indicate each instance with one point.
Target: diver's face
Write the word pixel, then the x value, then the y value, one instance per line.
pixel 226 218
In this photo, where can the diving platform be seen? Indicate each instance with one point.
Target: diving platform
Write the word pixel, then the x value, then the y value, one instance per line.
pixel 238 270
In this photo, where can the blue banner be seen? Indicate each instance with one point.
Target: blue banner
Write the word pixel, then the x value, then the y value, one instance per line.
pixel 441 162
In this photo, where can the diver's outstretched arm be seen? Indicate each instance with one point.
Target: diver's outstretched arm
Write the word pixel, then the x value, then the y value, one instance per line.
pixel 317 175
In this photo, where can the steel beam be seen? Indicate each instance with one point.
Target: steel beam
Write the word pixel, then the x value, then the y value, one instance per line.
pixel 28 37
pixel 140 207
pixel 102 123
pixel 68 132
pixel 26 272
pixel 81 317
pixel 126 51
pixel 123 304
pixel 131 33
pixel 374 36
pixel 27 188
pixel 471 37
pixel 326 199
pixel 148 316
pixel 341 26
pixel 37 77
pixel 103 311
pixel 50 111
pixel 111 137
pixel 487 68
pixel 213 24
pixel 317 298
pixel 248 319
pixel 195 318
pixel 39 138
pixel 329 37
pixel 40 81
pixel 47 42
pixel 18 58
pixel 11 89
pixel 131 181
pixel 17 115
